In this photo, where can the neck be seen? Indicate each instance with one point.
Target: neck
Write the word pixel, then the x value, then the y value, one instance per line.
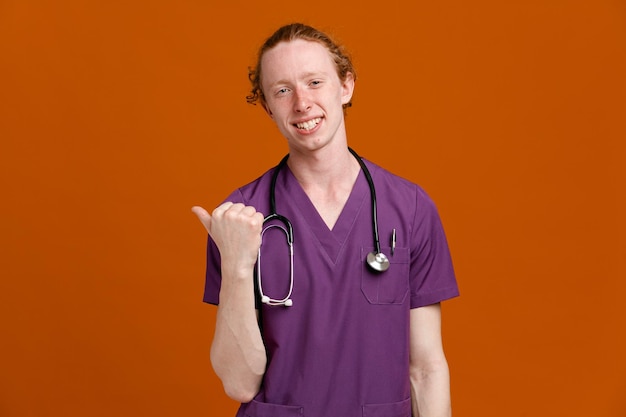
pixel 324 169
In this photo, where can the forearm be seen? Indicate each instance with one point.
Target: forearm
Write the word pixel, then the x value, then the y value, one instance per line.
pixel 238 354
pixel 430 391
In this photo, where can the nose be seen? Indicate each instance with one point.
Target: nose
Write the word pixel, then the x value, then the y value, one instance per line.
pixel 302 102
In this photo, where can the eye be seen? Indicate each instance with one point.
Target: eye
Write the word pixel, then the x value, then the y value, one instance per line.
pixel 282 91
pixel 316 83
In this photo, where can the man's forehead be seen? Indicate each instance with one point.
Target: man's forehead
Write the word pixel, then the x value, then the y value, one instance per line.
pixel 297 48
pixel 308 57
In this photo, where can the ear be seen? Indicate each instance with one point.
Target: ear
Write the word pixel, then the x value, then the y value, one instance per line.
pixel 267 109
pixel 347 88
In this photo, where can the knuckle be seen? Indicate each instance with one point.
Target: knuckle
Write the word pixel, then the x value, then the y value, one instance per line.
pixel 256 224
pixel 257 219
pixel 219 210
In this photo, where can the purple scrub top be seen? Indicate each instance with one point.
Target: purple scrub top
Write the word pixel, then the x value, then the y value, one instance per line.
pixel 342 349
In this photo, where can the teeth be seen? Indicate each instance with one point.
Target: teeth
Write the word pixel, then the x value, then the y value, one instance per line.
pixel 309 125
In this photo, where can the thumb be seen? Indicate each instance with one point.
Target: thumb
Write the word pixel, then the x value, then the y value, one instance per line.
pixel 203 216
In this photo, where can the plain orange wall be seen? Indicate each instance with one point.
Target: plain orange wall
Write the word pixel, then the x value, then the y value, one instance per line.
pixel 117 117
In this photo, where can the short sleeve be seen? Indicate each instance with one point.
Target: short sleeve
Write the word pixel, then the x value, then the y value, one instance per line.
pixel 432 276
pixel 213 280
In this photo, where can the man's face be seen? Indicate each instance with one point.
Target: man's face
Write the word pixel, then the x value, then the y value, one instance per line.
pixel 304 95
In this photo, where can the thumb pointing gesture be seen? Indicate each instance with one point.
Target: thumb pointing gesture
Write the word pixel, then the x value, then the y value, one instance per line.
pixel 203 216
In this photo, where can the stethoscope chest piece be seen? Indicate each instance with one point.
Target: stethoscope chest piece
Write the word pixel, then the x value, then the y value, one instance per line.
pixel 378 261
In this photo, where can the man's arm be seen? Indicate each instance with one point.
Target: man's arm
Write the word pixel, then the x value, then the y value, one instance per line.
pixel 430 378
pixel 237 353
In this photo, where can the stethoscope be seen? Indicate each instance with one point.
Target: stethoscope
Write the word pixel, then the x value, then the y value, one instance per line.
pixel 376 260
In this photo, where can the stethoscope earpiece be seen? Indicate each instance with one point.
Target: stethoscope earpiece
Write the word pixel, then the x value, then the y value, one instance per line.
pixel 271 302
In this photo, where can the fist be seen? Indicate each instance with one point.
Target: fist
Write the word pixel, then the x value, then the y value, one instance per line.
pixel 235 229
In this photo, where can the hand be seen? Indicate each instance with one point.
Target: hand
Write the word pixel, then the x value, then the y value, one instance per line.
pixel 236 230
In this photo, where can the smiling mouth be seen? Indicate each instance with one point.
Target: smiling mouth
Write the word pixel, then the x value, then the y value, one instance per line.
pixel 308 125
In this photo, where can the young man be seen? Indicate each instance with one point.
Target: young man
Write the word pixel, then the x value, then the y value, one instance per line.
pixel 349 325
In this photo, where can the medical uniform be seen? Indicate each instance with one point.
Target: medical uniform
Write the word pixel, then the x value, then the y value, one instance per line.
pixel 342 349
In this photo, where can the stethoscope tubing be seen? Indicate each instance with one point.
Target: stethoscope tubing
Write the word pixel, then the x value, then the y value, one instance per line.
pixel 370 183
pixel 377 260
pixel 289 234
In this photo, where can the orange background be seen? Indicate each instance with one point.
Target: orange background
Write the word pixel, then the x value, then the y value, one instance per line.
pixel 117 117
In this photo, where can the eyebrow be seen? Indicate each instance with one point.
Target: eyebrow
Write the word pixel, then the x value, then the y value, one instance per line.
pixel 310 74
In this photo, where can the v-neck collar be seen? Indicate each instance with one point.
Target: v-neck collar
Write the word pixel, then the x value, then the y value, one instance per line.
pixel 331 240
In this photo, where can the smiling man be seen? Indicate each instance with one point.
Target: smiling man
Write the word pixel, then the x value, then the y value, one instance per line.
pixel 342 317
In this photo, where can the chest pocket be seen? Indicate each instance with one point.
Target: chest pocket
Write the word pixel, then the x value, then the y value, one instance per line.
pixel 390 286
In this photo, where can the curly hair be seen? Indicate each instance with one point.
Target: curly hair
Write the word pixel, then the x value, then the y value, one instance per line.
pixel 292 32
